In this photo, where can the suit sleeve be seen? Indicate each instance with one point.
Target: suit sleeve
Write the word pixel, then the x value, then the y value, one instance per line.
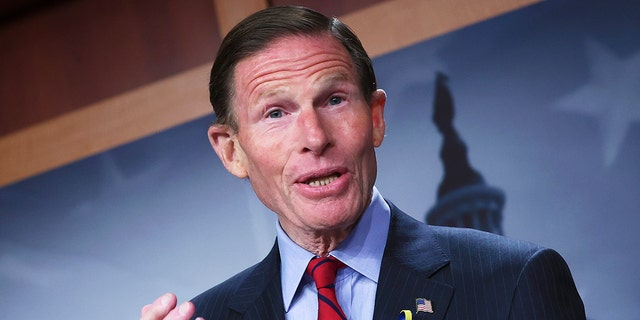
pixel 546 290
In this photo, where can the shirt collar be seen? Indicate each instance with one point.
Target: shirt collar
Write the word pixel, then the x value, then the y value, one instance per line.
pixel 362 250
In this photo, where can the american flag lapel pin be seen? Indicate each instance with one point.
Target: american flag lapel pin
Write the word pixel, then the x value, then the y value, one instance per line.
pixel 423 305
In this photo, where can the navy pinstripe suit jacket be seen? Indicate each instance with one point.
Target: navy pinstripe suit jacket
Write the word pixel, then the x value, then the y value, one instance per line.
pixel 466 274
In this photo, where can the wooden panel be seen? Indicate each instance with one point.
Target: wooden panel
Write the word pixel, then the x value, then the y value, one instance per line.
pixel 390 25
pixel 230 12
pixel 104 125
pixel 178 99
pixel 79 52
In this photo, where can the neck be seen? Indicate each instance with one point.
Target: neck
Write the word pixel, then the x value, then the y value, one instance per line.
pixel 319 243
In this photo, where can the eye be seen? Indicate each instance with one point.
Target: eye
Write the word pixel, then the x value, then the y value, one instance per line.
pixel 275 114
pixel 335 100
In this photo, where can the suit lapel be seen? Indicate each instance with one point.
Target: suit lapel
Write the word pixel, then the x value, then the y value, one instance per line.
pixel 260 295
pixel 411 257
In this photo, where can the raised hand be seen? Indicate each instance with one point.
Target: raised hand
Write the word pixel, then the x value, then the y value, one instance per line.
pixel 165 308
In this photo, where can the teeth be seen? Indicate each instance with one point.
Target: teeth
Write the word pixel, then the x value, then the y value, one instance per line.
pixel 319 182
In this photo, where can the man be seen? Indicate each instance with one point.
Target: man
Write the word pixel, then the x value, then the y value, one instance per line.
pixel 299 115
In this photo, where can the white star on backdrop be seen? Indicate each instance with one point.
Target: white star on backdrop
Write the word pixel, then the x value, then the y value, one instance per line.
pixel 611 94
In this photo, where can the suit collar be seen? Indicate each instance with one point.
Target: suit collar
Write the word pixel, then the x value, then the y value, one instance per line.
pixel 411 244
pixel 411 257
pixel 260 294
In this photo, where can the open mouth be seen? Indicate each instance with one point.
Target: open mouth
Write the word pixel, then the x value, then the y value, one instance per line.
pixel 322 181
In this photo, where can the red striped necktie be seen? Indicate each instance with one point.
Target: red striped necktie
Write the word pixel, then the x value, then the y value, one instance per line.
pixel 323 271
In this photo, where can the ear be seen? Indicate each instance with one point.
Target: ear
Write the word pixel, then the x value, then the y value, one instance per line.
pixel 224 141
pixel 377 116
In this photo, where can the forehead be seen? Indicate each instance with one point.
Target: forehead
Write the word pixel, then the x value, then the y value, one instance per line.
pixel 293 57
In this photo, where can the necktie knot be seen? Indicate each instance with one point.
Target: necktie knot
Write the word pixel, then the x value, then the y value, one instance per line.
pixel 323 270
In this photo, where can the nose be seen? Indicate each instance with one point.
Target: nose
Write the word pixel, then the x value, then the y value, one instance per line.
pixel 313 132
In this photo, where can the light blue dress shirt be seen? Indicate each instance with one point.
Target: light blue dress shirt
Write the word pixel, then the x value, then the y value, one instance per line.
pixel 356 284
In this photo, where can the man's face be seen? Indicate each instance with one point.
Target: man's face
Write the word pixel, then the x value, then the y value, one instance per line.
pixel 306 134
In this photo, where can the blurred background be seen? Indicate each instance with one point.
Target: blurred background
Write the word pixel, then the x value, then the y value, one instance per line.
pixel 110 194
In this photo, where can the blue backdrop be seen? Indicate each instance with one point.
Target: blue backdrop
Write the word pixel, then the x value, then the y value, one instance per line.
pixel 547 99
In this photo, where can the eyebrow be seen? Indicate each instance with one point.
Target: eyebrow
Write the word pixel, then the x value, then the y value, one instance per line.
pixel 335 80
pixel 335 77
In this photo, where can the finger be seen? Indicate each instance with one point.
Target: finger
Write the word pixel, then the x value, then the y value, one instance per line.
pixel 183 312
pixel 144 309
pixel 159 308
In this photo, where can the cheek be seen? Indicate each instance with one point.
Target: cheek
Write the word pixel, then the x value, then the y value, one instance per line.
pixel 359 140
pixel 265 161
pixel 358 133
